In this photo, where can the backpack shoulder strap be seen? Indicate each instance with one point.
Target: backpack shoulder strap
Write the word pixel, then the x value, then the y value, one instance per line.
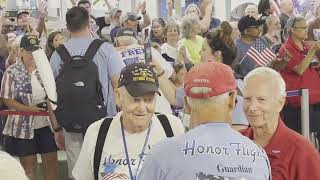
pixel 64 53
pixel 165 124
pixel 103 131
pixel 93 48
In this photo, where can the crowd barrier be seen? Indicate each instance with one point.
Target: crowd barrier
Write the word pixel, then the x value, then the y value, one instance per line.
pixel 305 118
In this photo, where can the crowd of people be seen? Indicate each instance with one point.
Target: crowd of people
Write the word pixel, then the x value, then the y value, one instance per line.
pixel 210 103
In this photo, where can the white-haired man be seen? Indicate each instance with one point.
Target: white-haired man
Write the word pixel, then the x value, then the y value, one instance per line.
pixel 292 157
pixel 212 149
pixel 116 148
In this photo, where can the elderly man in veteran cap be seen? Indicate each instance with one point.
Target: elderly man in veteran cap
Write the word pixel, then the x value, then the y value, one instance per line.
pixel 212 149
pixel 115 148
pixel 292 157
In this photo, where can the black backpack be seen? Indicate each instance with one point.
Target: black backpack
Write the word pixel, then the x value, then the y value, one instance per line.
pixel 102 134
pixel 79 91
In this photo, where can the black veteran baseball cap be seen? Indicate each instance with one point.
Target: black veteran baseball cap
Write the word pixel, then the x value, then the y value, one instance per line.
pixel 29 43
pixel 248 21
pixel 139 79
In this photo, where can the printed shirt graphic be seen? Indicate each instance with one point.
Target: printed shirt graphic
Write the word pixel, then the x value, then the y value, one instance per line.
pixel 135 53
pixel 208 152
pixel 113 164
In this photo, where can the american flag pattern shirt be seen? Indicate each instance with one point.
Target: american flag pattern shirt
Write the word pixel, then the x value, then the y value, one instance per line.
pixel 16 84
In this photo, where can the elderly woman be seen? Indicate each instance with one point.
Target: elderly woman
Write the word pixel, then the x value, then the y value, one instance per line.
pixel 190 29
pixel 28 135
pixel 54 40
pixel 157 31
pixel 192 10
pixel 272 30
pixel 291 156
pixel 299 73
pixel 251 10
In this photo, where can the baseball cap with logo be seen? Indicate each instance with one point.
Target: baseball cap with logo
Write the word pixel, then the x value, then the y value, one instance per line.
pixel 23 11
pixel 139 79
pixel 126 32
pixel 129 16
pixel 218 78
pixel 248 21
pixel 29 43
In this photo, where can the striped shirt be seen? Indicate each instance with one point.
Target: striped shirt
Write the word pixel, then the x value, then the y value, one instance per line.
pixel 16 84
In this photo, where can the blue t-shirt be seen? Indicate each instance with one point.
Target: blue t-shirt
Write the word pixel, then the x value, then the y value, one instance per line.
pixel 209 151
pixel 106 59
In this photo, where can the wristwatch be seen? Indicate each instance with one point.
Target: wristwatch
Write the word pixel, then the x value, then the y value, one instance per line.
pixel 57 129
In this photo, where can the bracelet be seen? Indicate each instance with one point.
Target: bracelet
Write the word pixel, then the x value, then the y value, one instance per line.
pixel 144 12
pixel 162 73
pixel 57 129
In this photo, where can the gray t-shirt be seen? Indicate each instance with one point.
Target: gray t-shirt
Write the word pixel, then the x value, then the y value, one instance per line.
pixel 106 59
pixel 210 151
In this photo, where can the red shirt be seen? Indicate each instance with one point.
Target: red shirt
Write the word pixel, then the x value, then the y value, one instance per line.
pixel 292 157
pixel 310 79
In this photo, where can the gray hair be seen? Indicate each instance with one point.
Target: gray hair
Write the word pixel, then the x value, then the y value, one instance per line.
pixel 126 40
pixel 189 6
pixel 268 72
pixel 291 22
pixel 217 101
pixel 187 26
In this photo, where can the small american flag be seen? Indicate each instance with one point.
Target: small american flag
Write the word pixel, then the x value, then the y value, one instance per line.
pixel 115 176
pixel 276 5
pixel 260 53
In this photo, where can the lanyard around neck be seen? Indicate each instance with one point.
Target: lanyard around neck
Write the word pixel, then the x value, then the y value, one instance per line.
pixel 127 152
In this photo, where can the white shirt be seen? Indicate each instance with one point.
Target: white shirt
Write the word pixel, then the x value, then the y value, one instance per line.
pixel 169 50
pixel 113 160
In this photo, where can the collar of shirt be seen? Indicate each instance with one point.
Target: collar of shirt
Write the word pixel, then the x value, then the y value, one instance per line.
pixel 291 43
pixel 277 142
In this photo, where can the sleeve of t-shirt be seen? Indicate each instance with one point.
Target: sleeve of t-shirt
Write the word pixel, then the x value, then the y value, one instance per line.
pixel 113 60
pixel 55 62
pixel 8 90
pixel 165 65
pixel 306 163
pixel 294 60
pixel 83 169
pixel 180 96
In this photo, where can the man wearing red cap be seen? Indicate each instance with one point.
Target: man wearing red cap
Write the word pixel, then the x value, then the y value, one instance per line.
pixel 212 149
